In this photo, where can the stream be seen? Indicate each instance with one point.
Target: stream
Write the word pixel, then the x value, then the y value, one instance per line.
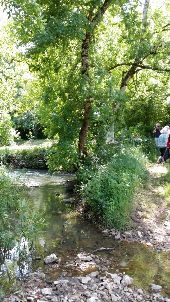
pixel 67 234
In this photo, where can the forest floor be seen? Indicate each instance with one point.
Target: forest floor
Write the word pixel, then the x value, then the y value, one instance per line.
pixel 151 216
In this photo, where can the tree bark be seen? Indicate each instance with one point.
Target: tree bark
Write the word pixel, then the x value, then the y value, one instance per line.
pixel 127 76
pixel 87 104
pixel 84 129
pixel 145 13
pixel 85 73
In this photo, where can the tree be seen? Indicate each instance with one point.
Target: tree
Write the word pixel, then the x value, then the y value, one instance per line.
pixel 87 54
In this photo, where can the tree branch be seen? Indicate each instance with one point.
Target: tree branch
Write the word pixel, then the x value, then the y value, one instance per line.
pixel 166 27
pixel 154 68
pixel 120 64
pixel 142 66
pixel 96 19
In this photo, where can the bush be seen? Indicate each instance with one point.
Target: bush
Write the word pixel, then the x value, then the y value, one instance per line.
pixel 109 189
pixel 149 148
pixel 34 158
pixel 28 125
pixel 7 133
pixel 63 157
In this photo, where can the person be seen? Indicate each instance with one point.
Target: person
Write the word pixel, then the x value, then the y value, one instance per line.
pixel 157 132
pixel 167 151
pixel 162 143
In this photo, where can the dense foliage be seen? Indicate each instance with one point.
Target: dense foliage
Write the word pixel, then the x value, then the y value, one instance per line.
pixel 90 71
pixel 109 189
pixel 98 63
pixel 7 132
pixel 27 125
pixel 35 157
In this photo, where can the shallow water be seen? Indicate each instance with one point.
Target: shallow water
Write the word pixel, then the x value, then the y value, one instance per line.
pixel 67 234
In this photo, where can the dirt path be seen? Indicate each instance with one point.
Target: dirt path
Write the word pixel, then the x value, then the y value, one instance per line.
pixel 151 217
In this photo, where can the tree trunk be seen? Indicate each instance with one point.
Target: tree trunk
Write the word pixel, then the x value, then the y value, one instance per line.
pixel 145 13
pixel 85 73
pixel 87 105
pixel 84 129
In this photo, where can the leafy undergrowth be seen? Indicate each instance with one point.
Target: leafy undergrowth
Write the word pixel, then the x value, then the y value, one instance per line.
pixel 109 190
pixel 28 154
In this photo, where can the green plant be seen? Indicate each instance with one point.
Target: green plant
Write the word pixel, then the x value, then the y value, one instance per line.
pixel 7 133
pixel 17 218
pixel 28 125
pixel 109 189
pixel 62 156
pixel 34 157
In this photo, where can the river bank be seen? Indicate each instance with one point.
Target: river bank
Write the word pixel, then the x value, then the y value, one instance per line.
pixel 151 215
pixel 95 276
pixel 94 287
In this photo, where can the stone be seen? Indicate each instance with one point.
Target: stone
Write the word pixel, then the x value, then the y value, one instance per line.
pixel 128 233
pixel 85 280
pixel 139 234
pixel 94 274
pixel 47 291
pixel 84 257
pixel 126 280
pixel 30 299
pixel 104 296
pixel 93 298
pixel 156 288
pixel 60 282
pixel 51 259
pixel 85 266
pixel 87 294
pixel 116 278
pixel 140 291
pixel 114 298
pixel 54 299
pixel 117 236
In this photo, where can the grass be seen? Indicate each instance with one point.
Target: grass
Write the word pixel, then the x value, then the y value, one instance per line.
pixel 29 144
pixel 165 182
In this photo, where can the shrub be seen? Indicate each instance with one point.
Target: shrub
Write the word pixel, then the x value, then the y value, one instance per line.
pixel 110 188
pixel 34 157
pixel 7 133
pixel 62 157
pixel 28 125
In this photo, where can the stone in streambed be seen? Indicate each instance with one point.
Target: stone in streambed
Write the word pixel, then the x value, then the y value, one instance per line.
pixel 51 259
pixel 156 288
